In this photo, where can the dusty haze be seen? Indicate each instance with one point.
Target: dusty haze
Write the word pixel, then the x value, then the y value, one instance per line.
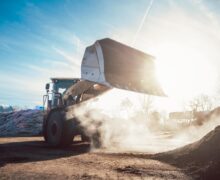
pixel 126 126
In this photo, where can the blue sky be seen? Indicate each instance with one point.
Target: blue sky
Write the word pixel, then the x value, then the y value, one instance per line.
pixel 41 39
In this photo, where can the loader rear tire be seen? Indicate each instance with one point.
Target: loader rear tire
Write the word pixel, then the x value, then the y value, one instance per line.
pixel 59 132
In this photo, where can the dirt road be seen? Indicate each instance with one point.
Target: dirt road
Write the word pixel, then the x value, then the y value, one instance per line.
pixel 31 158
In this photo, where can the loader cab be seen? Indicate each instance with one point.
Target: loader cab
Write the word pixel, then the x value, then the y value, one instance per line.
pixel 55 90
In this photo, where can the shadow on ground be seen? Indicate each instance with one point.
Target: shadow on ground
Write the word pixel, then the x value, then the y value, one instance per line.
pixel 32 151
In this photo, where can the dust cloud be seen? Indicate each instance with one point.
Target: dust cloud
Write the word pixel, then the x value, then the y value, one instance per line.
pixel 125 126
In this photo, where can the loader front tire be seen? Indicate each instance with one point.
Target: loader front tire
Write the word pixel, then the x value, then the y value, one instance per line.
pixel 59 131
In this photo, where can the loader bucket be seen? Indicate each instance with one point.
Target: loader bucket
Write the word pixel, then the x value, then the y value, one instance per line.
pixel 116 65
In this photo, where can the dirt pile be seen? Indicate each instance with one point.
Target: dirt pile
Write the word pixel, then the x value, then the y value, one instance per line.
pixel 201 159
pixel 21 123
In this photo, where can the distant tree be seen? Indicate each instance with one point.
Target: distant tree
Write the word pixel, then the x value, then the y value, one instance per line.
pixel 1 109
pixel 148 103
pixel 10 108
pixel 201 103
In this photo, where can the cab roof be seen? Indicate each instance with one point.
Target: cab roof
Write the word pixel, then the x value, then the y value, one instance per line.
pixel 60 78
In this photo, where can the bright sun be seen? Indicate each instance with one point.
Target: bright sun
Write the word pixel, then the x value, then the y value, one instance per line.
pixel 184 72
pixel 186 52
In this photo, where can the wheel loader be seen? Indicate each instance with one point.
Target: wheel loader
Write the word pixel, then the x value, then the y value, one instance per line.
pixel 105 65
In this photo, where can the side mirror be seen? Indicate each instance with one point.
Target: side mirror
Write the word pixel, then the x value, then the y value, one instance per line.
pixel 47 87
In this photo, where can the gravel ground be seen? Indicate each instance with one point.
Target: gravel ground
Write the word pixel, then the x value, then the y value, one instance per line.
pixel 31 158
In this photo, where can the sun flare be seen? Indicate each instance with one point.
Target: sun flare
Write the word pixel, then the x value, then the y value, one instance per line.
pixel 185 72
